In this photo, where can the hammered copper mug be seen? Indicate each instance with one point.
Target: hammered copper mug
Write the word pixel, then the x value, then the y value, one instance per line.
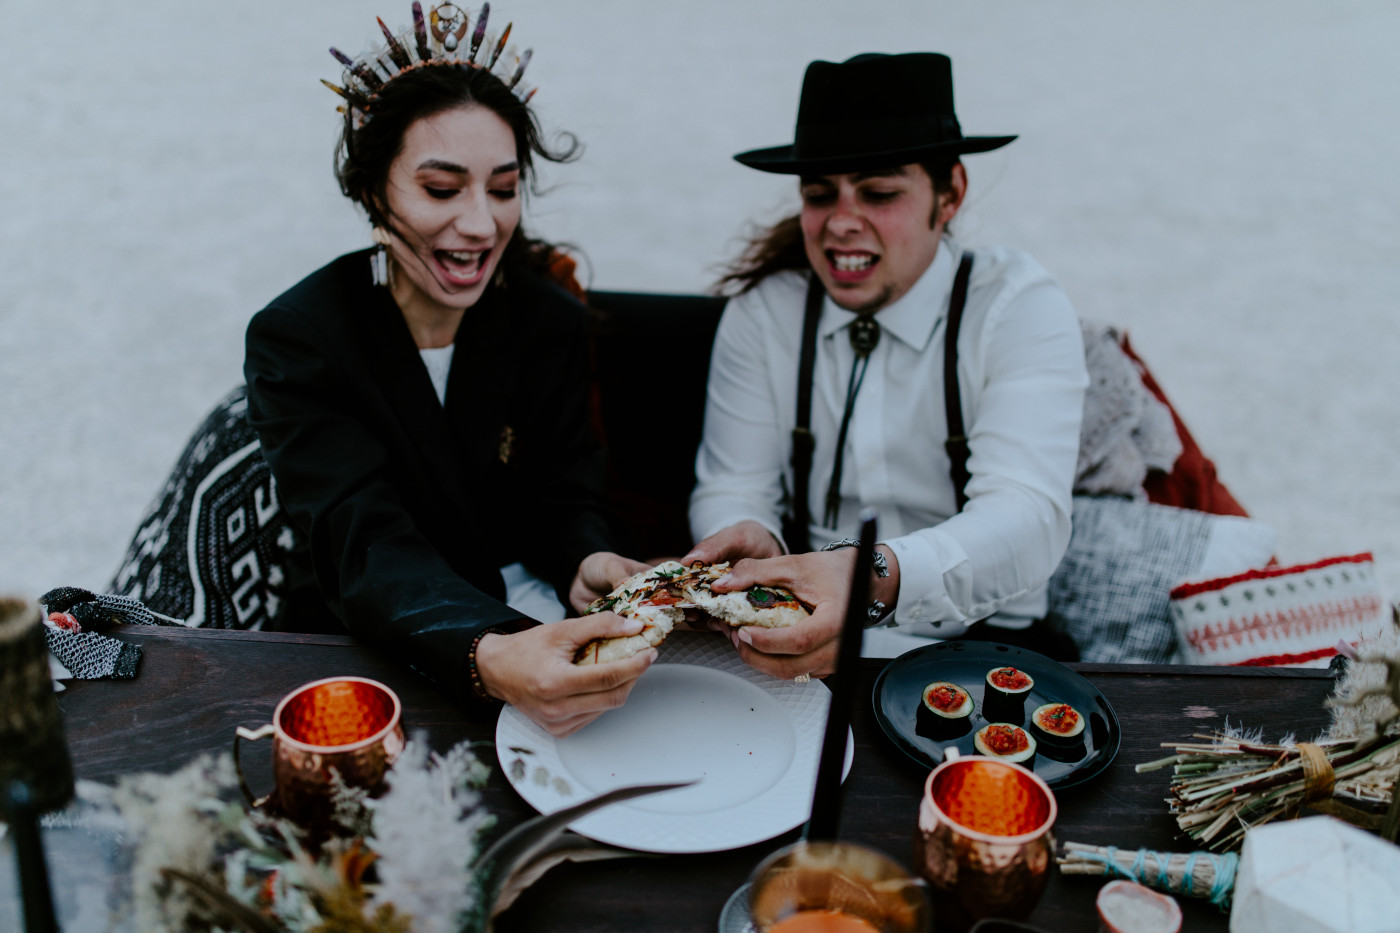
pixel 984 843
pixel 347 724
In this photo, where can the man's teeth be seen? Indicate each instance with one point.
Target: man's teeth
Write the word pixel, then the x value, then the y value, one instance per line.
pixel 853 263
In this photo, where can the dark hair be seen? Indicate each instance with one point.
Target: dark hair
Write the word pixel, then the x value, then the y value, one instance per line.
pixel 779 248
pixel 365 153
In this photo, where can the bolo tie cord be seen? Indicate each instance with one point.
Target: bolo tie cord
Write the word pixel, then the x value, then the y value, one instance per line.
pixel 865 334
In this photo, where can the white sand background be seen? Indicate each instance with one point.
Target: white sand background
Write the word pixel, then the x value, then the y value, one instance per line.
pixel 1219 179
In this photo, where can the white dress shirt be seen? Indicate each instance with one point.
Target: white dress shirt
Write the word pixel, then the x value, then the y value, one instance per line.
pixel 1022 378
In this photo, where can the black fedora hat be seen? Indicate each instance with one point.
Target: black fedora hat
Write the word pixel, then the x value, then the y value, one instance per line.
pixel 870 112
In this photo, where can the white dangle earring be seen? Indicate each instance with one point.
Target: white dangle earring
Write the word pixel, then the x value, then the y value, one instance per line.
pixel 379 259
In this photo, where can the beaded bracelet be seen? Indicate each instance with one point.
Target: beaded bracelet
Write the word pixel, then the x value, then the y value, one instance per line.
pixel 505 628
pixel 479 688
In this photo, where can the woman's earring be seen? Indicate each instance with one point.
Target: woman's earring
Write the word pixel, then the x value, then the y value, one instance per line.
pixel 379 260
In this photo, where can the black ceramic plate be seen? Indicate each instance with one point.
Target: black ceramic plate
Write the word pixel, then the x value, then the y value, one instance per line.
pixel 900 686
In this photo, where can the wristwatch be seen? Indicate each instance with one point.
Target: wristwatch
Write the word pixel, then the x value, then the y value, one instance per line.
pixel 878 561
pixel 875 612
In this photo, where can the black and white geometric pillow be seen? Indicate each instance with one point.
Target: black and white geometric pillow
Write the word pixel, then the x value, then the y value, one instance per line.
pixel 212 548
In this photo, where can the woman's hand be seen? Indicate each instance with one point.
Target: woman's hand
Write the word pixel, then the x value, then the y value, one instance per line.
pixel 534 671
pixel 599 575
pixel 744 539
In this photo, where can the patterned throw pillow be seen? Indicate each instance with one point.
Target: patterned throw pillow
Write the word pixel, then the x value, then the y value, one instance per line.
pixel 212 548
pixel 1279 616
pixel 1111 593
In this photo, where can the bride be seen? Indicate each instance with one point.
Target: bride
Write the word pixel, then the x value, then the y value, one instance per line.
pixel 423 404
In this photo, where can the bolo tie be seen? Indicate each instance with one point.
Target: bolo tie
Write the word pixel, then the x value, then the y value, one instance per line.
pixel 865 334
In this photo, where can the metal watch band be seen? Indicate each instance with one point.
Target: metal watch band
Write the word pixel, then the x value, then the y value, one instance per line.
pixel 878 560
pixel 875 612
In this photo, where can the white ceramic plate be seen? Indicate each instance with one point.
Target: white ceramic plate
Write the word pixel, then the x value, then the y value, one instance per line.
pixel 700 712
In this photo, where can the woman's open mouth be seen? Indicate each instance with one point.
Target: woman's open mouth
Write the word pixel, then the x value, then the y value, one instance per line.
pixel 462 268
pixel 854 266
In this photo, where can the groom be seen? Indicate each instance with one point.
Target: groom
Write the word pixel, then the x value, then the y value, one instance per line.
pixel 834 386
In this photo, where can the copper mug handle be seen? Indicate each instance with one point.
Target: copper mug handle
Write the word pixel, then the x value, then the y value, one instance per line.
pixel 251 735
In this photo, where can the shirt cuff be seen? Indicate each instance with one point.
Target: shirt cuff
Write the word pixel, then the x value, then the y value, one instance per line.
pixel 925 607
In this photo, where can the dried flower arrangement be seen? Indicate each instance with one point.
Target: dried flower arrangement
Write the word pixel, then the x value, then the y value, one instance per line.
pixel 201 860
pixel 408 861
pixel 1232 780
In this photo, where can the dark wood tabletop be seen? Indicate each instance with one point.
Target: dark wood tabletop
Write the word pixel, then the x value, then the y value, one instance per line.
pixel 195 686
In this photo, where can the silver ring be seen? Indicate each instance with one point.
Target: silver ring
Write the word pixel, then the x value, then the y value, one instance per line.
pixel 802 678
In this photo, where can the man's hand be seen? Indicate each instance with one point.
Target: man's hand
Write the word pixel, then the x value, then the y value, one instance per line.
pixel 745 539
pixel 599 575
pixel 821 579
pixel 534 671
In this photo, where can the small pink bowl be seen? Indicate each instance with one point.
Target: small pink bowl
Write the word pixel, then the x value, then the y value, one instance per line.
pixel 1128 907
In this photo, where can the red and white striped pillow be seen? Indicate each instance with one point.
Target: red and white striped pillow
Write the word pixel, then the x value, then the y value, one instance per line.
pixel 1278 616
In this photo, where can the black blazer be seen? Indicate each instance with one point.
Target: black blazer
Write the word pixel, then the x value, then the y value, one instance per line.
pixel 411 506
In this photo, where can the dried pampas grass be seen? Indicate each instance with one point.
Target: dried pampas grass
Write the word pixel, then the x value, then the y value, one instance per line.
pixel 1231 781
pixel 1367 699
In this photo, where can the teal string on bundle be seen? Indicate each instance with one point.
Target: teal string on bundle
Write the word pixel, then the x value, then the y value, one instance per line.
pixel 1193 874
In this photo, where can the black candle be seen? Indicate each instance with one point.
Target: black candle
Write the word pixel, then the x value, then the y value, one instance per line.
pixel 826 799
pixel 32 747
pixel 36 774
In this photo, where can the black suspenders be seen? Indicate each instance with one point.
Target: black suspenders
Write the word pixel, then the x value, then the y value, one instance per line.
pixel 956 444
pixel 798 521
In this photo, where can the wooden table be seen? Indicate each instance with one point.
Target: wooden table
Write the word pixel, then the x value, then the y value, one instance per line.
pixel 196 685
